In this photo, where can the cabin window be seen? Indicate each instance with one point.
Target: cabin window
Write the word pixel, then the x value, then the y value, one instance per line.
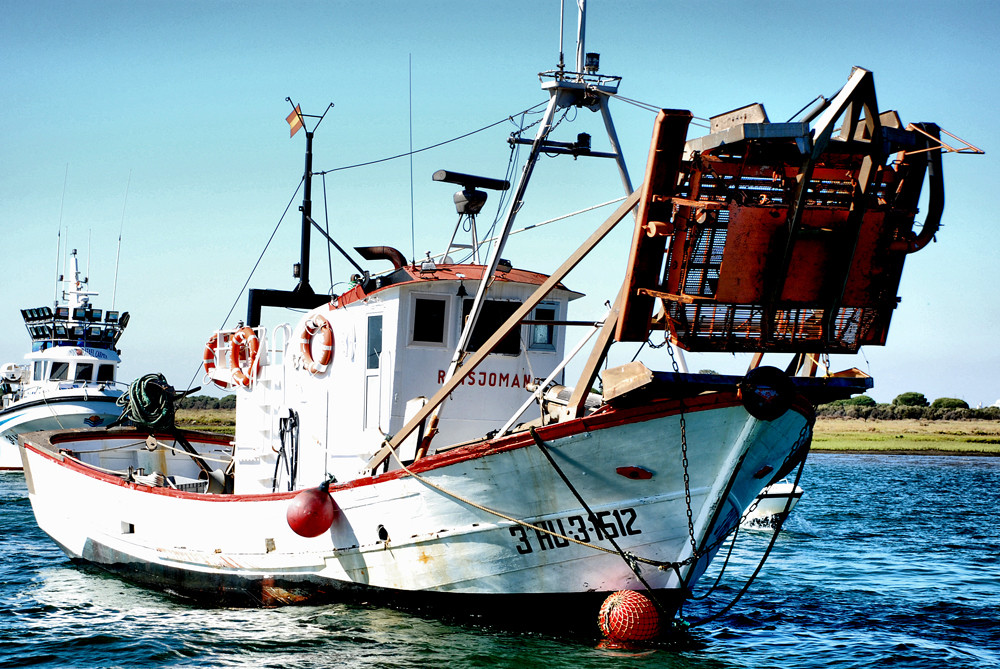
pixel 39 372
pixel 374 341
pixel 494 314
pixel 428 320
pixel 542 336
pixel 59 371
pixel 106 373
pixel 84 371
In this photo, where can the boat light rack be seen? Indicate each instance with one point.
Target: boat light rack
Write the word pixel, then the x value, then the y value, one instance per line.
pixel 85 326
pixel 779 237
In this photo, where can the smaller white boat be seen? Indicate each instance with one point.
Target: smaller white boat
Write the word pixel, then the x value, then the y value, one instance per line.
pixel 774 503
pixel 69 379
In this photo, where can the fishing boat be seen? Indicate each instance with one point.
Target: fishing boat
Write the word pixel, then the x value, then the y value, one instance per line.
pixel 69 379
pixel 772 505
pixel 418 441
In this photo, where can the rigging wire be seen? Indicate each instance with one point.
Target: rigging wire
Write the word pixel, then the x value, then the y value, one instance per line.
pixel 121 227
pixel 246 283
pixel 62 205
pixel 432 146
pixel 512 163
pixel 703 122
pixel 329 253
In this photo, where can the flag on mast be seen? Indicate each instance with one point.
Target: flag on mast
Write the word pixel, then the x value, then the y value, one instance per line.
pixel 295 120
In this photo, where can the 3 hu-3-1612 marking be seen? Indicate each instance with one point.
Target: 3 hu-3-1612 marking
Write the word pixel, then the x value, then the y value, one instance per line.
pixel 598 527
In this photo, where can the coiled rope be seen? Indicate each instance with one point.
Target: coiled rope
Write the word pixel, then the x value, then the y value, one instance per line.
pixel 149 403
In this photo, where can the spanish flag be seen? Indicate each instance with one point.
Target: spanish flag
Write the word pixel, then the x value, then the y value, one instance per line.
pixel 295 120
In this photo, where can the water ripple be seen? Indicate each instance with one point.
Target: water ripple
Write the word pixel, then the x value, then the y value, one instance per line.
pixel 888 561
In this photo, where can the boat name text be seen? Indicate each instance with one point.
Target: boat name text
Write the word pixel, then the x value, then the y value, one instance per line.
pixel 491 379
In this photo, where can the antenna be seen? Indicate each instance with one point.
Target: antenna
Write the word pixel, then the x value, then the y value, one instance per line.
pixel 413 238
pixel 62 205
pixel 118 255
pixel 562 7
pixel 55 301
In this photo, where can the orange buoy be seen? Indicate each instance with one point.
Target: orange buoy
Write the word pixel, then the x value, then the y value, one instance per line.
pixel 628 615
pixel 244 345
pixel 311 512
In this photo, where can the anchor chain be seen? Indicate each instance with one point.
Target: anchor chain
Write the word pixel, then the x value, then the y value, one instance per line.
pixel 805 435
pixel 684 460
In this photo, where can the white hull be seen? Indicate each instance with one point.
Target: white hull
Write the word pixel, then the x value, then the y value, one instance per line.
pixel 58 410
pixel 240 549
pixel 773 502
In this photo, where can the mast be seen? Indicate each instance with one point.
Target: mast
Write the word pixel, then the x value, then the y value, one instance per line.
pixel 303 287
pixel 302 296
pixel 585 88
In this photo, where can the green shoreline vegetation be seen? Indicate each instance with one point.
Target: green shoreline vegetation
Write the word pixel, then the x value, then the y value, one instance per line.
pixel 907 436
pixel 840 428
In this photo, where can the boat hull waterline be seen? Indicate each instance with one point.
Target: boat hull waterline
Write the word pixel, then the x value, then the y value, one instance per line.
pixel 397 534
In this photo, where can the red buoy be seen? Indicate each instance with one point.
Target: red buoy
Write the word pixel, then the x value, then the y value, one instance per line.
pixel 628 615
pixel 311 512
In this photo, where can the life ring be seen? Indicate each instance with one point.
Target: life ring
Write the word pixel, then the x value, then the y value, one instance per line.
pixel 208 360
pixel 317 326
pixel 766 393
pixel 244 346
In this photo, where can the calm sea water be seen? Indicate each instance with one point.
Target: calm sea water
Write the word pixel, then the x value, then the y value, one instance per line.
pixel 888 561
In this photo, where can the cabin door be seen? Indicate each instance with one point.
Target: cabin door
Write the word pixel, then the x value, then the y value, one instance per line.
pixel 373 374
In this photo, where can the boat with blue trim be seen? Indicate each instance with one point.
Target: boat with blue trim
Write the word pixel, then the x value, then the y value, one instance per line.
pixel 69 379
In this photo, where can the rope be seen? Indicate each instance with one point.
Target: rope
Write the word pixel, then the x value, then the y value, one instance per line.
pixel 628 558
pixel 763 558
pixel 500 514
pixel 148 403
pixel 198 456
pixel 246 283
pixel 631 559
pixel 659 564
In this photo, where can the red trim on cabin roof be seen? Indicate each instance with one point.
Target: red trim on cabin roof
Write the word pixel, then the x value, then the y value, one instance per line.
pixel 471 273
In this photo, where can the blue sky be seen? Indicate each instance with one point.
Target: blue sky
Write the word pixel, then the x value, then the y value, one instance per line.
pixel 185 103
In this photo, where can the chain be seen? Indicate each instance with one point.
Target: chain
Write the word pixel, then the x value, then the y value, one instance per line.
pixel 805 434
pixel 631 559
pixel 684 458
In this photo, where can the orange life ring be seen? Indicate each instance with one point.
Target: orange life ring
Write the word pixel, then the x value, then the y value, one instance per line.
pixel 208 359
pixel 244 346
pixel 317 326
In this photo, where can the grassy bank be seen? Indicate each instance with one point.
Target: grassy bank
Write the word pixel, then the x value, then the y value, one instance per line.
pixel 222 421
pixel 967 437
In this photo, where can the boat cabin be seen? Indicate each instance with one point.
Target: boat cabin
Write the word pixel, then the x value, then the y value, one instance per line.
pixel 347 359
pixel 71 347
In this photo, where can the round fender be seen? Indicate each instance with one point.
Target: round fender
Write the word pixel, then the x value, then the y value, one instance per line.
pixel 311 512
pixel 766 393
